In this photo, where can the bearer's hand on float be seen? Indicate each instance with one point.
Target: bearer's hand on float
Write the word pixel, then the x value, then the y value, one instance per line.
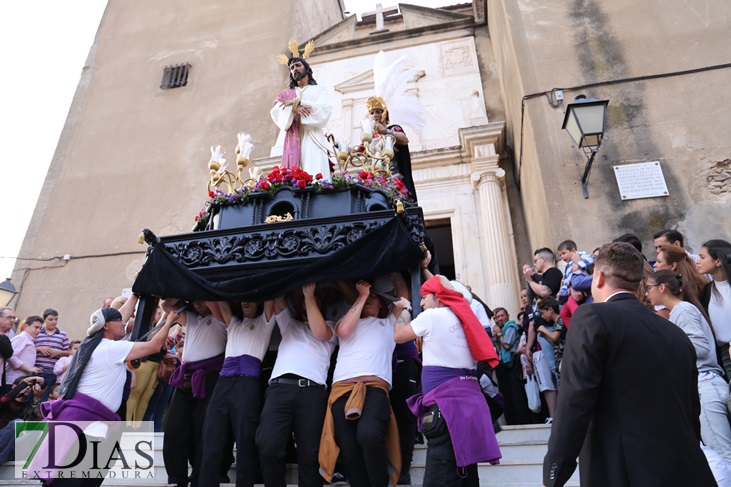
pixel 403 303
pixel 363 288
pixel 172 317
pixel 426 260
pixel 309 290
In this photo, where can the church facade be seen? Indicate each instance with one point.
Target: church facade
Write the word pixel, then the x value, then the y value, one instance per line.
pixel 496 175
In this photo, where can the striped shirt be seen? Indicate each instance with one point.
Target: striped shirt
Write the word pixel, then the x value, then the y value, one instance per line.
pixel 58 340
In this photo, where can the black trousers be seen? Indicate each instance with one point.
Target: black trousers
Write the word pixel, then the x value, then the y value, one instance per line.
pixel 183 442
pixel 235 407
pixel 289 408
pixel 441 466
pixel 362 441
pixel 405 385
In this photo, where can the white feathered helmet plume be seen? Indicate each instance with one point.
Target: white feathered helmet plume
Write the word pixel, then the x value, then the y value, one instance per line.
pixel 391 80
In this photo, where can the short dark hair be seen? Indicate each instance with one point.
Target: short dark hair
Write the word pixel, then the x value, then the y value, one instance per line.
pixel 546 252
pixel 49 312
pixel 671 236
pixel 497 310
pixel 631 239
pixel 621 264
pixel 549 303
pixel 567 245
pixel 33 319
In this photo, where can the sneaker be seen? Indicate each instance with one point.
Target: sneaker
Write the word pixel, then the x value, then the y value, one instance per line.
pixel 549 420
pixel 338 479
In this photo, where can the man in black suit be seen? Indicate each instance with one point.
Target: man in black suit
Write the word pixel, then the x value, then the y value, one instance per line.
pixel 632 375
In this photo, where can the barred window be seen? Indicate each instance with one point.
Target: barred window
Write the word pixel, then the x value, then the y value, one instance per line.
pixel 175 76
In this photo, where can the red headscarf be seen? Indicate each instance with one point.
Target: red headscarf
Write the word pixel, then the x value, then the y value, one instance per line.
pixel 477 339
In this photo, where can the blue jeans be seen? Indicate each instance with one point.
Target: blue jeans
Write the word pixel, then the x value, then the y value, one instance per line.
pixel 7 443
pixel 715 427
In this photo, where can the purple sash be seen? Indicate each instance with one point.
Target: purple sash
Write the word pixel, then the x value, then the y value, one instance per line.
pixel 292 138
pixel 241 365
pixel 468 419
pixel 79 408
pixel 432 376
pixel 198 370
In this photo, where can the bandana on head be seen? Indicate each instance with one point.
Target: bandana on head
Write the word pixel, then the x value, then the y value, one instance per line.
pixel 480 346
pixel 100 318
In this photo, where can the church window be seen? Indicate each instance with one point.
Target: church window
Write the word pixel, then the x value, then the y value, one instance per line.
pixel 175 76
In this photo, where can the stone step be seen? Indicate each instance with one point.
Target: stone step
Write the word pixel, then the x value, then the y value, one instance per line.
pixel 523 448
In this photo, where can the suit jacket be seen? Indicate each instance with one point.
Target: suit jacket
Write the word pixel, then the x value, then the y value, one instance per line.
pixel 632 374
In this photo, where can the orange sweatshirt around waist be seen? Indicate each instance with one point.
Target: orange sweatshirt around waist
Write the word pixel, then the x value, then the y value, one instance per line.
pixel 329 449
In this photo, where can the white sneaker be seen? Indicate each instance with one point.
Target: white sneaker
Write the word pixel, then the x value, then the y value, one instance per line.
pixel 549 421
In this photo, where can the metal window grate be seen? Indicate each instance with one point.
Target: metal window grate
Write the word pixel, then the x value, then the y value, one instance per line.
pixel 175 76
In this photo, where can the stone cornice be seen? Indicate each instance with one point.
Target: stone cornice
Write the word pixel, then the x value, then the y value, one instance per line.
pixel 375 43
pixel 477 141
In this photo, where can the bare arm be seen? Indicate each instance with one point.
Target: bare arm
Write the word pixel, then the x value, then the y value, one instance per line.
pixel 539 289
pixel 217 312
pixel 268 309
pixel 551 336
pixel 348 290
pixel 172 304
pixel 278 305
pixel 400 306
pixel 346 325
pixel 402 290
pixel 425 272
pixel 402 331
pixel 316 322
pixel 224 311
pixel 128 308
pixel 143 349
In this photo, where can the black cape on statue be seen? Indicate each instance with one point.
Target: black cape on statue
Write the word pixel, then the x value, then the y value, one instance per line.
pixel 402 159
pixel 386 249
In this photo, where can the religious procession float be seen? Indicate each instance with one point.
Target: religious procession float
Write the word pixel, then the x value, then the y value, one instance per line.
pixel 260 236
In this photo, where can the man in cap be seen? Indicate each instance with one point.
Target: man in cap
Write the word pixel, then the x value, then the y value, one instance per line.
pixel 93 388
pixel 453 343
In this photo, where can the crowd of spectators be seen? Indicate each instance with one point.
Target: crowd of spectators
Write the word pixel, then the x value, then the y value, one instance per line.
pixel 229 371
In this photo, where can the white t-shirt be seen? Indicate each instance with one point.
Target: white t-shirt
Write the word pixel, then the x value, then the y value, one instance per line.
pixel 720 312
pixel 480 313
pixel 300 352
pixel 368 350
pixel 445 344
pixel 249 336
pixel 204 337
pixel 105 374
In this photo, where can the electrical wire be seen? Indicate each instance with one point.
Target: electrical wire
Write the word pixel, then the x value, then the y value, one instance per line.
pixel 73 257
pixel 550 95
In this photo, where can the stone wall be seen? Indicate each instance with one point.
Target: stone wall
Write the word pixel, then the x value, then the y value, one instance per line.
pixel 678 119
pixel 133 155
